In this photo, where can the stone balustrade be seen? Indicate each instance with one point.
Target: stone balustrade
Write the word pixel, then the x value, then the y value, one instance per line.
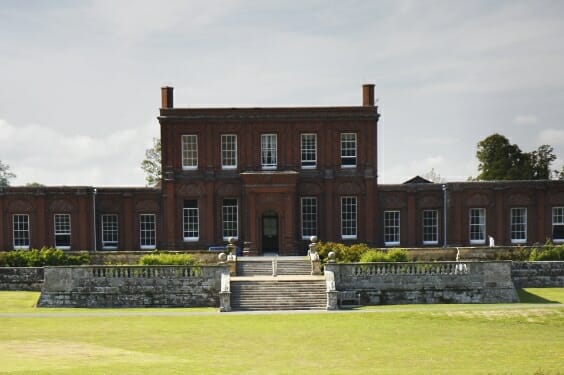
pixel 132 286
pixel 428 282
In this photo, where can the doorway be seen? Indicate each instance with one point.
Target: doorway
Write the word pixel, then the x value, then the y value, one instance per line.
pixel 270 233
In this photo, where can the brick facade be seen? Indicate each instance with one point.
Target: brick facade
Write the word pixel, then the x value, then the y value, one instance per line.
pixel 272 177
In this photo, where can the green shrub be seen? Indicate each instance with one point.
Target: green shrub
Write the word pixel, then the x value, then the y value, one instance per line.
pixel 164 259
pixel 44 257
pixel 518 253
pixel 3 261
pixel 548 252
pixel 360 253
pixel 392 255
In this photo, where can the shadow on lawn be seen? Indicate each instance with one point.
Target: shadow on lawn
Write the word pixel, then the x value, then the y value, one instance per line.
pixel 528 297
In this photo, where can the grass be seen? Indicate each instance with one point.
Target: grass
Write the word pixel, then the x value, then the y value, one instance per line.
pixel 525 338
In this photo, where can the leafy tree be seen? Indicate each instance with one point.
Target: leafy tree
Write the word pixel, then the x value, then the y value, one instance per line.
pixel 5 174
pixel 501 160
pixel 152 163
pixel 433 176
pixel 34 184
pixel 558 175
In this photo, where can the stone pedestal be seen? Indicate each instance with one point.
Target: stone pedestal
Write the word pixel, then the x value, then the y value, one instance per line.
pixel 332 300
pixel 224 301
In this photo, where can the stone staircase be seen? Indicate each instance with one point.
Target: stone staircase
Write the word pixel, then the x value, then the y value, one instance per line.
pixel 261 266
pixel 293 288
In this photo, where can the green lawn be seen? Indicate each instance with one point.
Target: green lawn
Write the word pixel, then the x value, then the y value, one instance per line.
pixel 526 338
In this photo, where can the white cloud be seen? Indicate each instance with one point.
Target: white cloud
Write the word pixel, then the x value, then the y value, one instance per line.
pixel 525 120
pixel 37 153
pixel 553 137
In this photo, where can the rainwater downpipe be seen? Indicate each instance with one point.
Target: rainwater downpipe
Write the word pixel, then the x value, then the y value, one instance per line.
pixel 94 216
pixel 444 215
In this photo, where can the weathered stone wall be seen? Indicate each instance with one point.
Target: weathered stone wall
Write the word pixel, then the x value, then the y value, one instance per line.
pixel 132 286
pixel 538 274
pixel 21 278
pixel 438 282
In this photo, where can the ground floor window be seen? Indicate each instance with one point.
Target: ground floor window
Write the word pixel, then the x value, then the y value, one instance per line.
pixel 62 231
pixel 309 217
pixel 518 225
pixel 477 225
pixel 110 231
pixel 229 218
pixel 558 224
pixel 191 220
pixel 391 228
pixel 348 218
pixel 430 227
pixel 20 225
pixel 147 231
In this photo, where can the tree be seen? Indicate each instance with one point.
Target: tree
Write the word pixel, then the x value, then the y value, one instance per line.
pixel 501 160
pixel 5 174
pixel 152 163
pixel 433 176
pixel 34 184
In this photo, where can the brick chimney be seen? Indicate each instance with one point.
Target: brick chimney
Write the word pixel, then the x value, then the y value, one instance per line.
pixel 167 97
pixel 368 95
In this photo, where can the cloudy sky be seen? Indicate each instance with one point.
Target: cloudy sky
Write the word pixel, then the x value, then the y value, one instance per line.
pixel 80 80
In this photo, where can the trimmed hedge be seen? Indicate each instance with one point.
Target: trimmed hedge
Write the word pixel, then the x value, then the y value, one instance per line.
pixel 164 259
pixel 40 258
pixel 360 253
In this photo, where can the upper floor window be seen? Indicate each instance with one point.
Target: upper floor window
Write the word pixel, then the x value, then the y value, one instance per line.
pixel 309 150
pixel 191 220
pixel 391 228
pixel 268 150
pixel 20 227
pixel 518 225
pixel 62 231
pixel 229 218
pixel 348 150
pixel 477 225
pixel 309 217
pixel 110 233
pixel 430 227
pixel 147 231
pixel 558 224
pixel 348 217
pixel 228 151
pixel 189 151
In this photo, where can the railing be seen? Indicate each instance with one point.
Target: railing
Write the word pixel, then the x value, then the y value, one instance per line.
pixel 126 272
pixel 443 268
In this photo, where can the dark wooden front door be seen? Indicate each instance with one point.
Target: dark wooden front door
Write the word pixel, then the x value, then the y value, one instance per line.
pixel 270 234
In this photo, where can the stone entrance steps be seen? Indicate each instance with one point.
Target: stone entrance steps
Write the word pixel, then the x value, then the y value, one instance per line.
pixel 278 293
pixel 263 266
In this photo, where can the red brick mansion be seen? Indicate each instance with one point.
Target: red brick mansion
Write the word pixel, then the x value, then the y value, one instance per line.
pixel 271 178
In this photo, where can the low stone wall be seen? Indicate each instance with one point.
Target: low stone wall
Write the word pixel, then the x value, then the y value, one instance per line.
pixel 437 282
pixel 538 274
pixel 132 286
pixel 21 278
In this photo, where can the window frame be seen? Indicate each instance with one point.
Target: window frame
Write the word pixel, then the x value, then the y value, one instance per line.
pixel 348 152
pixel 265 147
pixel 147 231
pixel 482 225
pixel 392 227
pixel 309 217
pixel 62 230
pixel 308 150
pixel 109 244
pixel 229 153
pixel 191 213
pixel 189 152
pixel 229 215
pixel 514 226
pixel 349 218
pixel 17 229
pixel 430 225
pixel 557 220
